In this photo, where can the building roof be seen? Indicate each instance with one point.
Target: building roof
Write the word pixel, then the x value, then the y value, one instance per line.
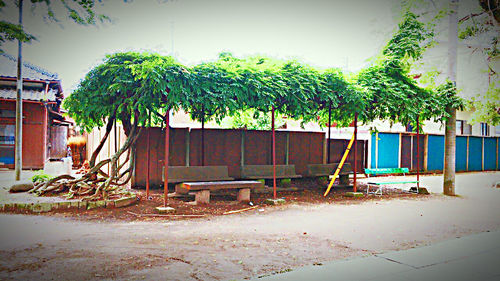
pixel 8 68
pixel 6 93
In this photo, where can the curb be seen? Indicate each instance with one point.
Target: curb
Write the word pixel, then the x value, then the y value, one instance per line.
pixel 42 207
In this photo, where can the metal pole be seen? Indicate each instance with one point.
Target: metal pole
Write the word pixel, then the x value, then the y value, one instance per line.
pixel 167 144
pixel 355 149
pixel 418 153
pixel 148 158
pixel 203 140
pixel 329 132
pixel 274 154
pixel 19 102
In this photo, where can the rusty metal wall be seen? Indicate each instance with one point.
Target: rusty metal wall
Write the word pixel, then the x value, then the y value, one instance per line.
pixel 338 147
pixel 223 147
pixel 305 148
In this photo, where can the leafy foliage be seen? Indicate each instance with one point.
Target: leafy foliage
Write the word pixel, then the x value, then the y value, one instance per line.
pixel 392 93
pixel 487 107
pixel 81 11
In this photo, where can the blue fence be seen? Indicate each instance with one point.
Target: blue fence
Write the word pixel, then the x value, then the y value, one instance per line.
pixel 472 153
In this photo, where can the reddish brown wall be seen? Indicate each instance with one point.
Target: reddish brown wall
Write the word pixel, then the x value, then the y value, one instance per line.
pixel 33 131
pixel 305 148
pixel 337 150
pixel 223 147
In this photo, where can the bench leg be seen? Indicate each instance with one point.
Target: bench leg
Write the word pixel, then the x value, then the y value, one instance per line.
pixel 202 196
pixel 244 195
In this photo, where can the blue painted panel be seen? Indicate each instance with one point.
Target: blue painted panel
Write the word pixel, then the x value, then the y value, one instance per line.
pixel 475 153
pixel 372 152
pixel 490 154
pixel 461 154
pixel 435 153
pixel 388 150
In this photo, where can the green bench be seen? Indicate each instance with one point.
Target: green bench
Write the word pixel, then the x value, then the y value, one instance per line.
pixel 385 171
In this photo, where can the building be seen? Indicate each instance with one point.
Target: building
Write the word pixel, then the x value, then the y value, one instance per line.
pixel 44 127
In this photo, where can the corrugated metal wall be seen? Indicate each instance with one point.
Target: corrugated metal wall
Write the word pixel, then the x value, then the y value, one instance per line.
pixel 435 152
pixel 470 153
pixel 223 147
pixel 490 148
pixel 461 154
pixel 388 150
pixel 475 154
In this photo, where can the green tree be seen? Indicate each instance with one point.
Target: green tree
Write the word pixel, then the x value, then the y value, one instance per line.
pixel 128 87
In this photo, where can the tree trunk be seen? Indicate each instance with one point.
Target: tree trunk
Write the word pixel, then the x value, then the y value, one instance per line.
pixel 450 131
pixel 109 126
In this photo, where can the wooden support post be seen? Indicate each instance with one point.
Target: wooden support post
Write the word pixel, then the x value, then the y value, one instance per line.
pixel 167 152
pixel 376 150
pixel 467 156
pixel 400 150
pixel 482 155
pixel 274 154
pixel 355 150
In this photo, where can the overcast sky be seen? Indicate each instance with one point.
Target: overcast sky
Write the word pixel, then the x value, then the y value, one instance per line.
pixel 323 33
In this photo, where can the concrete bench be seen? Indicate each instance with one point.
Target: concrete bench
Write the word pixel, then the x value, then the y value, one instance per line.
pixel 266 172
pixel 202 189
pixel 323 170
pixel 177 174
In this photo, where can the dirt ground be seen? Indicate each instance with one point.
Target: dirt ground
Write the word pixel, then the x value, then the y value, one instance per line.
pixel 110 244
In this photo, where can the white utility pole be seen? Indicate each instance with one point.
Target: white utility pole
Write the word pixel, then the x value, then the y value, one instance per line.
pixel 19 102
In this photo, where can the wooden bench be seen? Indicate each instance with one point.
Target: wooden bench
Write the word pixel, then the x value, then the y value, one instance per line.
pixel 202 189
pixel 323 170
pixel 178 174
pixel 258 172
pixel 385 171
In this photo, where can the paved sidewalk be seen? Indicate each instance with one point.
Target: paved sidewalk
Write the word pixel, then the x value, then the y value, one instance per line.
pixel 475 257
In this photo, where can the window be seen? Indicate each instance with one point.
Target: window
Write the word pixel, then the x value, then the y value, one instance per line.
pixel 463 128
pixel 497 130
pixel 7 113
pixel 485 129
pixel 7 141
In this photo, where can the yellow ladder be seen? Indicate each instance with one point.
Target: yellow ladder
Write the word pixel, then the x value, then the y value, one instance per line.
pixel 336 174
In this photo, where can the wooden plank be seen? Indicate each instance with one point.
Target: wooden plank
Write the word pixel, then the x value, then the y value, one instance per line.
pixel 391 182
pixel 217 185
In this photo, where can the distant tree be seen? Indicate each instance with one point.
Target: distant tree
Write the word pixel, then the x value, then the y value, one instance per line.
pixel 81 12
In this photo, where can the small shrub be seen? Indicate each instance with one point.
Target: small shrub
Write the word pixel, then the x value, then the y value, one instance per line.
pixel 40 177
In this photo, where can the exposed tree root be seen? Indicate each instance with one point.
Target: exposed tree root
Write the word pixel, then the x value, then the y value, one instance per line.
pixel 96 184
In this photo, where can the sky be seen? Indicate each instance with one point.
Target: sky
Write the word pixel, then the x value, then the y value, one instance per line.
pixel 322 33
